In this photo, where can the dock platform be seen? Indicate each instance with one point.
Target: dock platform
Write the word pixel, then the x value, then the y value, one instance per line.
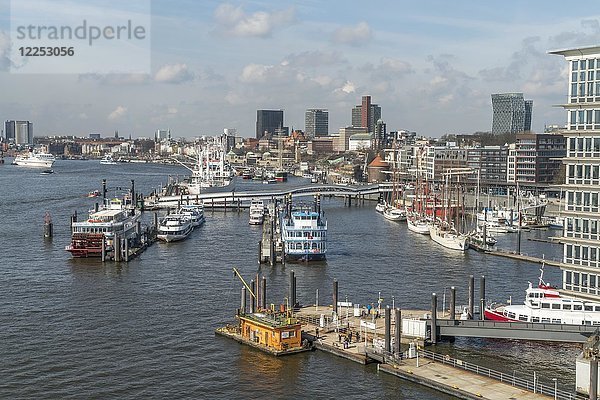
pixel 456 382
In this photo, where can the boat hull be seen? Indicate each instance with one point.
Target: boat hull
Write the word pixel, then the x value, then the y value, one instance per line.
pixel 421 229
pixel 305 257
pixel 449 241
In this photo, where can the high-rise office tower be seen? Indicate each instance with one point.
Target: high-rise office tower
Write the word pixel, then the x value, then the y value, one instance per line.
pixel 268 122
pixel 366 114
pixel 316 122
pixel 19 132
pixel 581 229
pixel 511 113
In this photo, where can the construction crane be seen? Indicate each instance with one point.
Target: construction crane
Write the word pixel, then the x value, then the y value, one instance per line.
pixel 244 282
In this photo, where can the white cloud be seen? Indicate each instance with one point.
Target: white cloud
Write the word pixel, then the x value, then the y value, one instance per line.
pixel 234 21
pixel 117 113
pixel 255 73
pixel 348 87
pixel 353 35
pixel 174 73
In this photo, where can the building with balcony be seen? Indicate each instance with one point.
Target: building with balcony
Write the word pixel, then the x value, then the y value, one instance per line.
pixel 581 235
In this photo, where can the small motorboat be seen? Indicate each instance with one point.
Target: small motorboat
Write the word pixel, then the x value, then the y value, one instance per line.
pixel 47 172
pixel 94 193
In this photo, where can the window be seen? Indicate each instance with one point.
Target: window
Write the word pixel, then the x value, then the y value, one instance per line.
pixel 523 318
pixel 588 308
pixel 556 320
pixel 545 305
pixel 535 319
pixel 574 66
pixel 566 306
pixel 577 307
pixel 556 306
pixel 546 320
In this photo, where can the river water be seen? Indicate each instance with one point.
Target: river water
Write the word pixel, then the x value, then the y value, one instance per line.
pixel 77 328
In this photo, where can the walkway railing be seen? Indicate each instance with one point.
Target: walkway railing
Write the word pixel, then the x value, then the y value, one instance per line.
pixel 535 386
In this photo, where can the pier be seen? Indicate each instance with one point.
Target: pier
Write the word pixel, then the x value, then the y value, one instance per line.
pixel 395 340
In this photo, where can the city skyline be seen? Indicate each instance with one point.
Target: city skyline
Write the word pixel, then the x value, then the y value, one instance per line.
pixel 431 68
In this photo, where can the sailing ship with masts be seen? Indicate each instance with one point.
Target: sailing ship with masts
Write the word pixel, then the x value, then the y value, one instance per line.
pixel 446 231
pixel 208 166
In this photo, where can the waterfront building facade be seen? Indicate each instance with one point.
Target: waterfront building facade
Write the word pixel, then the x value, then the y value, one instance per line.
pixel 316 122
pixel 511 113
pixel 581 234
pixel 535 159
pixel 434 161
pixel 268 122
pixel 490 161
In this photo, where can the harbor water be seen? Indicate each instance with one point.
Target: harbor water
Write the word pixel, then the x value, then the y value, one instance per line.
pixel 78 328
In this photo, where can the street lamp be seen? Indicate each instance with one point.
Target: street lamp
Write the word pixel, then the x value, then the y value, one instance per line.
pixel 555 387
pixel 393 303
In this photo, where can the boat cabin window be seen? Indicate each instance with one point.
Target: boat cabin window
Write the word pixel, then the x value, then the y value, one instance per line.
pixel 577 307
pixel 588 308
pixel 595 322
pixel 546 320
pixel 545 305
pixel 556 306
pixel 556 320
pixel 566 306
pixel 523 317
pixel 535 319
pixel 586 322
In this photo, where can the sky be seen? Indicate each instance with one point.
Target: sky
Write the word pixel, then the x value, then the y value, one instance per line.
pixel 430 65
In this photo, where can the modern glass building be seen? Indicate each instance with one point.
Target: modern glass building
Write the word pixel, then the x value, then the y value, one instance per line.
pixel 581 234
pixel 18 132
pixel 511 113
pixel 268 122
pixel 316 122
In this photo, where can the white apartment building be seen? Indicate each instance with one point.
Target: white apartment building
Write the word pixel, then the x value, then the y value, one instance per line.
pixel 581 234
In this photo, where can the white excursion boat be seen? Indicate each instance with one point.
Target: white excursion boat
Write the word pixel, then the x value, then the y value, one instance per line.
pixel 37 160
pixel 195 212
pixel 114 218
pixel 544 304
pixel 108 160
pixel 418 225
pixel 304 235
pixel 394 214
pixel 448 238
pixel 174 227
pixel 257 212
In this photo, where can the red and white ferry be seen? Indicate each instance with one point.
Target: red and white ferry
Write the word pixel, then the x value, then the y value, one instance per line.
pixel 544 304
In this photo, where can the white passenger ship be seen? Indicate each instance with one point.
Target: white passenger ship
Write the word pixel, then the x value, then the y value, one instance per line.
pixel 304 235
pixel 257 212
pixel 174 227
pixel 37 160
pixel 544 304
pixel 114 218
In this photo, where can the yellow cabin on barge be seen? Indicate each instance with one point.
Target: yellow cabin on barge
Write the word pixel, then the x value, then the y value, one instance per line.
pixel 276 332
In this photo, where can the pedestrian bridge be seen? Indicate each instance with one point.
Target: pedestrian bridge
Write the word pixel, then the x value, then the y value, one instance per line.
pixel 235 199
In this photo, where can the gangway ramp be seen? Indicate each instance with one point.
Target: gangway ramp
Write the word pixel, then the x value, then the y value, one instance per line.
pixel 514 330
